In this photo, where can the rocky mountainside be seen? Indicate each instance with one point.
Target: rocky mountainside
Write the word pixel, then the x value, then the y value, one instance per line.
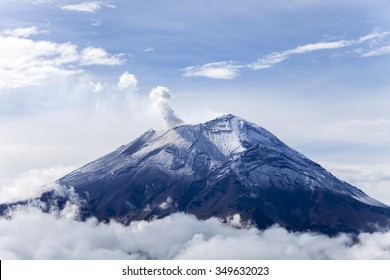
pixel 221 168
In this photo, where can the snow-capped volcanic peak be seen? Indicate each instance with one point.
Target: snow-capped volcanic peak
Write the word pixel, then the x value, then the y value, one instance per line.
pixel 230 134
pixel 220 168
pixel 224 134
pixel 185 149
pixel 220 138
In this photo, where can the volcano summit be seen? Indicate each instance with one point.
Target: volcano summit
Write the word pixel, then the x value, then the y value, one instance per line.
pixel 221 168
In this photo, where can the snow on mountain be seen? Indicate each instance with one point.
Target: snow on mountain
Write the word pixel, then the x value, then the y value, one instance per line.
pixel 185 149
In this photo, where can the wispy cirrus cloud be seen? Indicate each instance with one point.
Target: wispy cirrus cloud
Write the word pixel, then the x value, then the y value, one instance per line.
pixel 377 52
pixel 20 32
pixel 26 61
pixel 216 70
pixel 87 7
pixel 148 50
pixel 38 2
pixel 98 56
pixel 229 70
pixel 277 57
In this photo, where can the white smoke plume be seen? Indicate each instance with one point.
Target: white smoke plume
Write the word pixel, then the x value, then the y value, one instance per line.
pixel 160 98
pixel 29 233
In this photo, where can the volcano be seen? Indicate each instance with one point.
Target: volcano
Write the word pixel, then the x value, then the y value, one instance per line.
pixel 221 168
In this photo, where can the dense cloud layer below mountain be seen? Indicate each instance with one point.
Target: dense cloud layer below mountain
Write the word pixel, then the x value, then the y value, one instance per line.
pixel 29 233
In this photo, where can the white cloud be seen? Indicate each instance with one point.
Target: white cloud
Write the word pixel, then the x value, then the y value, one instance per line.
pixel 39 2
pixel 215 70
pixel 28 233
pixel 160 98
pixel 32 184
pixel 371 37
pixel 29 62
pixel 228 70
pixel 277 57
pixel 377 52
pixel 319 46
pixel 21 32
pixel 87 7
pixel 167 203
pixel 97 87
pixel 26 62
pixel 127 81
pixel 98 56
pixel 148 49
pixel 269 60
pixel 95 21
pixel 110 6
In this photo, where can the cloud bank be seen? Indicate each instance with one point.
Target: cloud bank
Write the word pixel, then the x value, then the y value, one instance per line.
pixel 31 184
pixel 28 233
pixel 160 97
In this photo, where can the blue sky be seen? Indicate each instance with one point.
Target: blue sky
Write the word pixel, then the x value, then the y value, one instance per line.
pixel 75 78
